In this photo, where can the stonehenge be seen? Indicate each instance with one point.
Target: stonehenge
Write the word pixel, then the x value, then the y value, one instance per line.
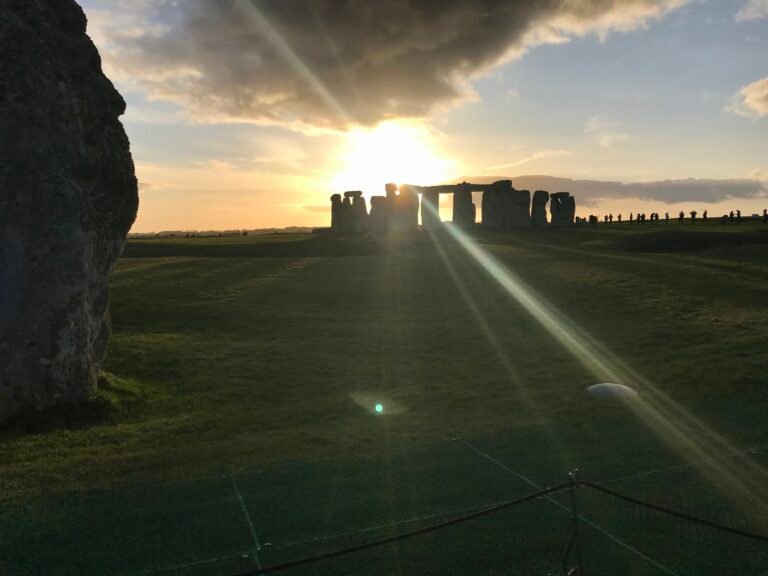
pixel 68 196
pixel 503 207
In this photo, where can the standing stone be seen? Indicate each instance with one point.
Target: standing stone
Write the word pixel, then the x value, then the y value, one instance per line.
pixel 68 196
pixel 347 215
pixel 336 217
pixel 430 210
pixel 520 209
pixel 555 210
pixel 463 208
pixel 408 209
pixel 569 210
pixel 492 214
pixel 378 221
pixel 496 205
pixel 558 209
pixel 539 209
pixel 361 213
pixel 358 213
pixel 403 207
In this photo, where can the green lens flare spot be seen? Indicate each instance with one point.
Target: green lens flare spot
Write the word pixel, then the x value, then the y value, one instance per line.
pixel 379 408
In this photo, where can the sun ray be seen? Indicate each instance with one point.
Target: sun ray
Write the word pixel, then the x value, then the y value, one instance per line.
pixel 741 479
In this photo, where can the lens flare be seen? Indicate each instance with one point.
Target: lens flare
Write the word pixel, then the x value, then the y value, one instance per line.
pixel 740 478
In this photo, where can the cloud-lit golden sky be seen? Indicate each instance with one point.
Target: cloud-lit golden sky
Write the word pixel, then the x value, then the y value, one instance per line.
pixel 249 114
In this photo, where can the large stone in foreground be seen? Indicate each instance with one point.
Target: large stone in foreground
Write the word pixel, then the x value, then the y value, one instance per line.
pixel 68 196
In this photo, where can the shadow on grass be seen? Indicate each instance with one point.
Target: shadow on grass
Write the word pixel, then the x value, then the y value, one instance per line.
pixel 669 241
pixel 108 405
pixel 321 245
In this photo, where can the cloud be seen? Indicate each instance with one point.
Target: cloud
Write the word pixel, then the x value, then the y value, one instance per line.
pixel 589 192
pixel 511 95
pixel 752 100
pixel 217 165
pixel 606 132
pixel 759 175
pixel 531 158
pixel 319 64
pixel 752 10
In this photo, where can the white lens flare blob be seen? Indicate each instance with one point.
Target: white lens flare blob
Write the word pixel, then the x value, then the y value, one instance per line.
pixel 611 390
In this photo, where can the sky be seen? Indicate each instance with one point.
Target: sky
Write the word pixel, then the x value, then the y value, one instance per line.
pixel 250 114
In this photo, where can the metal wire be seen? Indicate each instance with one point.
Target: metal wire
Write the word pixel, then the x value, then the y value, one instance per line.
pixel 675 513
pixel 411 534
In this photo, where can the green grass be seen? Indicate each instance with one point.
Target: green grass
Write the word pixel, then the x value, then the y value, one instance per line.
pixel 239 354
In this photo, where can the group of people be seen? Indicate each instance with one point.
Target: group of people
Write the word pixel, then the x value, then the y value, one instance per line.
pixel 654 217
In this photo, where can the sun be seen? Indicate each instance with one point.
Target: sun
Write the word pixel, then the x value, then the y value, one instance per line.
pixel 391 152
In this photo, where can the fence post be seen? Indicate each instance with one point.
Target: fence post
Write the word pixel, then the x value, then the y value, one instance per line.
pixel 573 544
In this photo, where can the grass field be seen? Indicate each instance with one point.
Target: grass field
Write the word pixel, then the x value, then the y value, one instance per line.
pixel 237 409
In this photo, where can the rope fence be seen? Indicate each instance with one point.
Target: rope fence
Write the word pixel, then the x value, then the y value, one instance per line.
pixel 571 485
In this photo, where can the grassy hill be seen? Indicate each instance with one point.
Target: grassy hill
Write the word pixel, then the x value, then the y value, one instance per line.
pixel 242 353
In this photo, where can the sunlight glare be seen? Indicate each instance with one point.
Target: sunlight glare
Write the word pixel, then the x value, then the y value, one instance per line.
pixel 392 152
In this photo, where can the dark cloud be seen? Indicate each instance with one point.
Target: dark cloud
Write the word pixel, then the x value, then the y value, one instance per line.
pixel 590 192
pixel 331 63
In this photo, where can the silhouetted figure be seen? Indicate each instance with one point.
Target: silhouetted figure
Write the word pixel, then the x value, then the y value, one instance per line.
pixel 765 216
pixel 619 218
pixel 680 217
pixel 738 216
pixel 631 218
pixel 730 216
pixel 705 216
pixel 666 217
pixel 693 216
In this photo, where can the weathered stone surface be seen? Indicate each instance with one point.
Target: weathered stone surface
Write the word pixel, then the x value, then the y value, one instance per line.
pixel 539 208
pixel 68 196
